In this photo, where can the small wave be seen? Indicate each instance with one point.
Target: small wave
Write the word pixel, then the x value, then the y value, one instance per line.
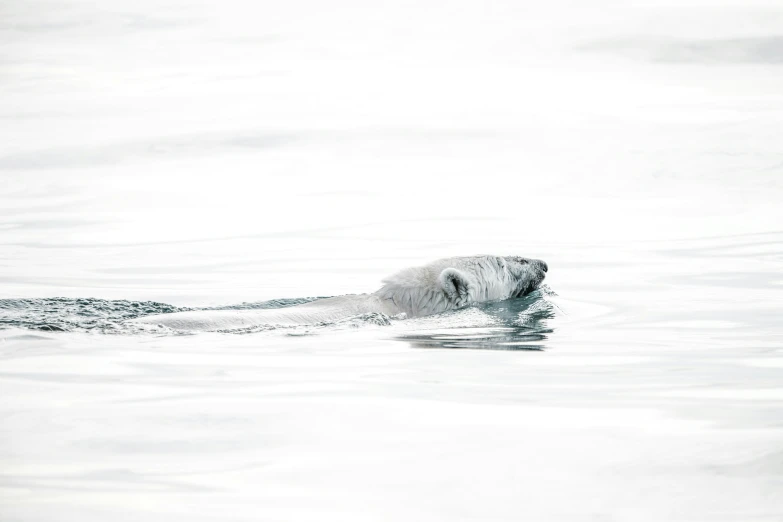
pixel 62 314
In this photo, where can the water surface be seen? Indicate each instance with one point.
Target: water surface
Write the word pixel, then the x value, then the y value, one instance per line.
pixel 168 156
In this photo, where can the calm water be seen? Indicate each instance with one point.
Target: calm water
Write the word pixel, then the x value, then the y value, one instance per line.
pixel 159 156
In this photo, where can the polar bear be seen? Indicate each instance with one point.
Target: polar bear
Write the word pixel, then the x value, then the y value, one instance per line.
pixel 446 284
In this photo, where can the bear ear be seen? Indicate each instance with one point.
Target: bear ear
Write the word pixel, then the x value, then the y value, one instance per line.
pixel 455 284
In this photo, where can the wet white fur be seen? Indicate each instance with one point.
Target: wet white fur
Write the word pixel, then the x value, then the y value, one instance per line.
pixel 443 285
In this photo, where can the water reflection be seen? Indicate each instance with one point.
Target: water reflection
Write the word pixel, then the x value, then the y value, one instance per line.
pixel 515 324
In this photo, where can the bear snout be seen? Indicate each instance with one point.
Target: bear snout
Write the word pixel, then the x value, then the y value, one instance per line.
pixel 537 263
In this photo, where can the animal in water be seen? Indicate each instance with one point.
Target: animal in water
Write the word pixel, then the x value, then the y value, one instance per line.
pixel 442 285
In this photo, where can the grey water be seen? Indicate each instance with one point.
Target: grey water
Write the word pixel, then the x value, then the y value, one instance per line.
pixel 168 156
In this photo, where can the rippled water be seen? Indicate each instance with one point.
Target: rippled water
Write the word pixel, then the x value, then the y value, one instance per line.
pixel 168 156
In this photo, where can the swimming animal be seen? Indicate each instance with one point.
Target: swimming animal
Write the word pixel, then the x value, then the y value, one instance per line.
pixel 442 285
